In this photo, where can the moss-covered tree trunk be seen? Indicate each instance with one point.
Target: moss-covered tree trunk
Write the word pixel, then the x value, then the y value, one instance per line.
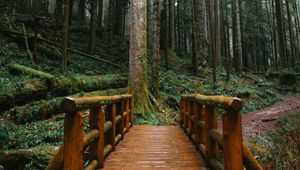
pixel 138 57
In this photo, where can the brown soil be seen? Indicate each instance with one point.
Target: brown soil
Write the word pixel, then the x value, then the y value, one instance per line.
pixel 258 122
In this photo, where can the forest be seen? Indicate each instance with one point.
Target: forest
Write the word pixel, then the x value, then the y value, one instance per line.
pixel 158 51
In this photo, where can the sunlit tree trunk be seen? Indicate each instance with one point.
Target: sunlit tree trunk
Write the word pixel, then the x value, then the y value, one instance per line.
pixel 138 57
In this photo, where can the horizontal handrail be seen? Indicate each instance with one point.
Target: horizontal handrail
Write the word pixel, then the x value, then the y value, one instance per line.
pixel 110 117
pixel 199 120
pixel 227 103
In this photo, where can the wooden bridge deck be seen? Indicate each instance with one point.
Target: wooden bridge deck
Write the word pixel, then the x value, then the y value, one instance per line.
pixel 155 147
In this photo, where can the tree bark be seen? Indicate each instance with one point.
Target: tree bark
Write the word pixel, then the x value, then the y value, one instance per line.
pixel 282 51
pixel 166 42
pixel 217 35
pixel 156 48
pixel 172 24
pixel 66 34
pixel 138 58
pixel 93 26
pixel 237 40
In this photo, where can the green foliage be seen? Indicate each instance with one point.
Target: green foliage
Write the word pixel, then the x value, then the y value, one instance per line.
pixel 34 134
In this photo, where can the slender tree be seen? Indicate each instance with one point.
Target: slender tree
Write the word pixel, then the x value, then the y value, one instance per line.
pixel 93 26
pixel 172 24
pixel 156 48
pixel 282 51
pixel 166 38
pixel 138 57
pixel 66 34
pixel 237 40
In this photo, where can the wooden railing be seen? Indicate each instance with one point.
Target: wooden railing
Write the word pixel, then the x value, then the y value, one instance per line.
pixel 109 118
pixel 199 120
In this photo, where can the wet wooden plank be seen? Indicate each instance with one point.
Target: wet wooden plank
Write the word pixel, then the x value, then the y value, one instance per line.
pixel 155 147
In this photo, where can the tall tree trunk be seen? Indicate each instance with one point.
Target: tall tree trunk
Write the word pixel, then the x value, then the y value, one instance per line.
pixel 217 34
pixel 66 34
pixel 93 26
pixel 172 24
pixel 275 35
pixel 291 33
pixel 119 15
pixel 138 57
pixel 70 11
pixel 156 48
pixel 194 44
pixel 211 38
pixel 166 43
pixel 100 16
pixel 149 22
pixel 179 27
pixel 82 10
pixel 282 52
pixel 237 41
pixel 58 11
pixel 110 25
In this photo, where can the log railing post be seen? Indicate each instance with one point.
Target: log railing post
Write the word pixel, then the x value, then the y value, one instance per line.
pixel 73 141
pixel 211 122
pixel 113 128
pixel 232 138
pixel 184 114
pixel 123 118
pixel 97 121
pixel 189 121
pixel 197 112
pixel 202 124
pixel 127 114
pixel 131 110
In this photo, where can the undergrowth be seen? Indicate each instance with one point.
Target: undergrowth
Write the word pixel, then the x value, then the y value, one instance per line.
pixel 279 149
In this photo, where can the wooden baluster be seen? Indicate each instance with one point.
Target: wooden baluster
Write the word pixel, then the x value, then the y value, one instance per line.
pixel 181 111
pixel 122 104
pixel 232 137
pixel 131 110
pixel 128 114
pixel 197 112
pixel 184 114
pixel 211 122
pixel 73 141
pixel 189 121
pixel 202 114
pixel 113 128
pixel 97 121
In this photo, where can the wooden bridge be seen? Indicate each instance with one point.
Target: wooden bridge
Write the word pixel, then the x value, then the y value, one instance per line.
pixel 102 141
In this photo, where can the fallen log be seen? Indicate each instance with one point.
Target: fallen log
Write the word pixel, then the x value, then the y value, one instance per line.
pixel 17 68
pixel 45 109
pixel 17 159
pixel 31 36
pixel 37 89
pixel 81 53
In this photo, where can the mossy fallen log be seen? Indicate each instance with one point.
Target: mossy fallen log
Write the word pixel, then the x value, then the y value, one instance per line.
pixel 45 109
pixel 17 68
pixel 37 89
pixel 37 157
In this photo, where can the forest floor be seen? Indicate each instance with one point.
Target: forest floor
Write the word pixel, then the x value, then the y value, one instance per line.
pixel 264 120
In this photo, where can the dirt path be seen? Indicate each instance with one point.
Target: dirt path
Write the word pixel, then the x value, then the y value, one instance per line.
pixel 258 122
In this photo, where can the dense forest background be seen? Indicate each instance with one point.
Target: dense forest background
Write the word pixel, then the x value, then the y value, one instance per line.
pixel 50 49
